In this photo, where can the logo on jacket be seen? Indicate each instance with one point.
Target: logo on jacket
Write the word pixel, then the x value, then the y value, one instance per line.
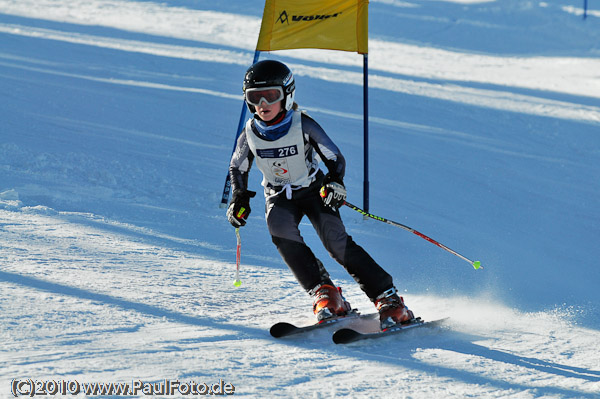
pixel 281 170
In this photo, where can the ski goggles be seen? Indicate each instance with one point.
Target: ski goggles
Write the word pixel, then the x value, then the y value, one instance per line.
pixel 270 95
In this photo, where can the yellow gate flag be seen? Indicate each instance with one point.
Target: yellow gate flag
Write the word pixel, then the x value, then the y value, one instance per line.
pixel 324 24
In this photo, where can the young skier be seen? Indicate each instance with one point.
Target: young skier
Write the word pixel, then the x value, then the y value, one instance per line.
pixel 286 145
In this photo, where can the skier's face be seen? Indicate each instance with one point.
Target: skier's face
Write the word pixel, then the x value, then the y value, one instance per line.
pixel 268 112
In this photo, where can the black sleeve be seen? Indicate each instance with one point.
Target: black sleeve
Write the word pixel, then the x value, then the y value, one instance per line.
pixel 240 164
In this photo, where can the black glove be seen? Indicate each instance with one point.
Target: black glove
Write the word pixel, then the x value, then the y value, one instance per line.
pixel 333 192
pixel 239 207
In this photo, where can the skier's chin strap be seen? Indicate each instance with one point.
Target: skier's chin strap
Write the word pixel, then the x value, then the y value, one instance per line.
pixel 289 189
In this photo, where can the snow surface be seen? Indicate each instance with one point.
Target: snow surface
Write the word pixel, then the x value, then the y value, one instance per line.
pixel 118 119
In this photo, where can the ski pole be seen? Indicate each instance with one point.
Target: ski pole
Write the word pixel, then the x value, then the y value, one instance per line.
pixel 238 256
pixel 476 264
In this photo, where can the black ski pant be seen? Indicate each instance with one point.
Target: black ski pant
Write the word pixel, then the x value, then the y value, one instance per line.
pixel 283 217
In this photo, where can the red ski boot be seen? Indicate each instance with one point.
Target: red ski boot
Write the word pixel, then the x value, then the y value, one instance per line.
pixel 391 309
pixel 328 302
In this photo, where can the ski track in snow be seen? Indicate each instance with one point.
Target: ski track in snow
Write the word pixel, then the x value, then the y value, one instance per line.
pixel 124 308
pixel 114 269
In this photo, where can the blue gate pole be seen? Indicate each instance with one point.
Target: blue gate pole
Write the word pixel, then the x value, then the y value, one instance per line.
pixel 227 187
pixel 366 132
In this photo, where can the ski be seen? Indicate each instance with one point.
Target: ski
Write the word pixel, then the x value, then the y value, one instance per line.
pixel 348 335
pixel 284 329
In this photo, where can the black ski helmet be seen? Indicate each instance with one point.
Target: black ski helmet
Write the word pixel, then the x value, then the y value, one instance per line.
pixel 269 73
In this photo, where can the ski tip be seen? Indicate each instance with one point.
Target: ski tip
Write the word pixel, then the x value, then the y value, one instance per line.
pixel 282 329
pixel 345 336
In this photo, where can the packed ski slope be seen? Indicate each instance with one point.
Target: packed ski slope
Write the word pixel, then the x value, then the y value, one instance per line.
pixel 116 262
